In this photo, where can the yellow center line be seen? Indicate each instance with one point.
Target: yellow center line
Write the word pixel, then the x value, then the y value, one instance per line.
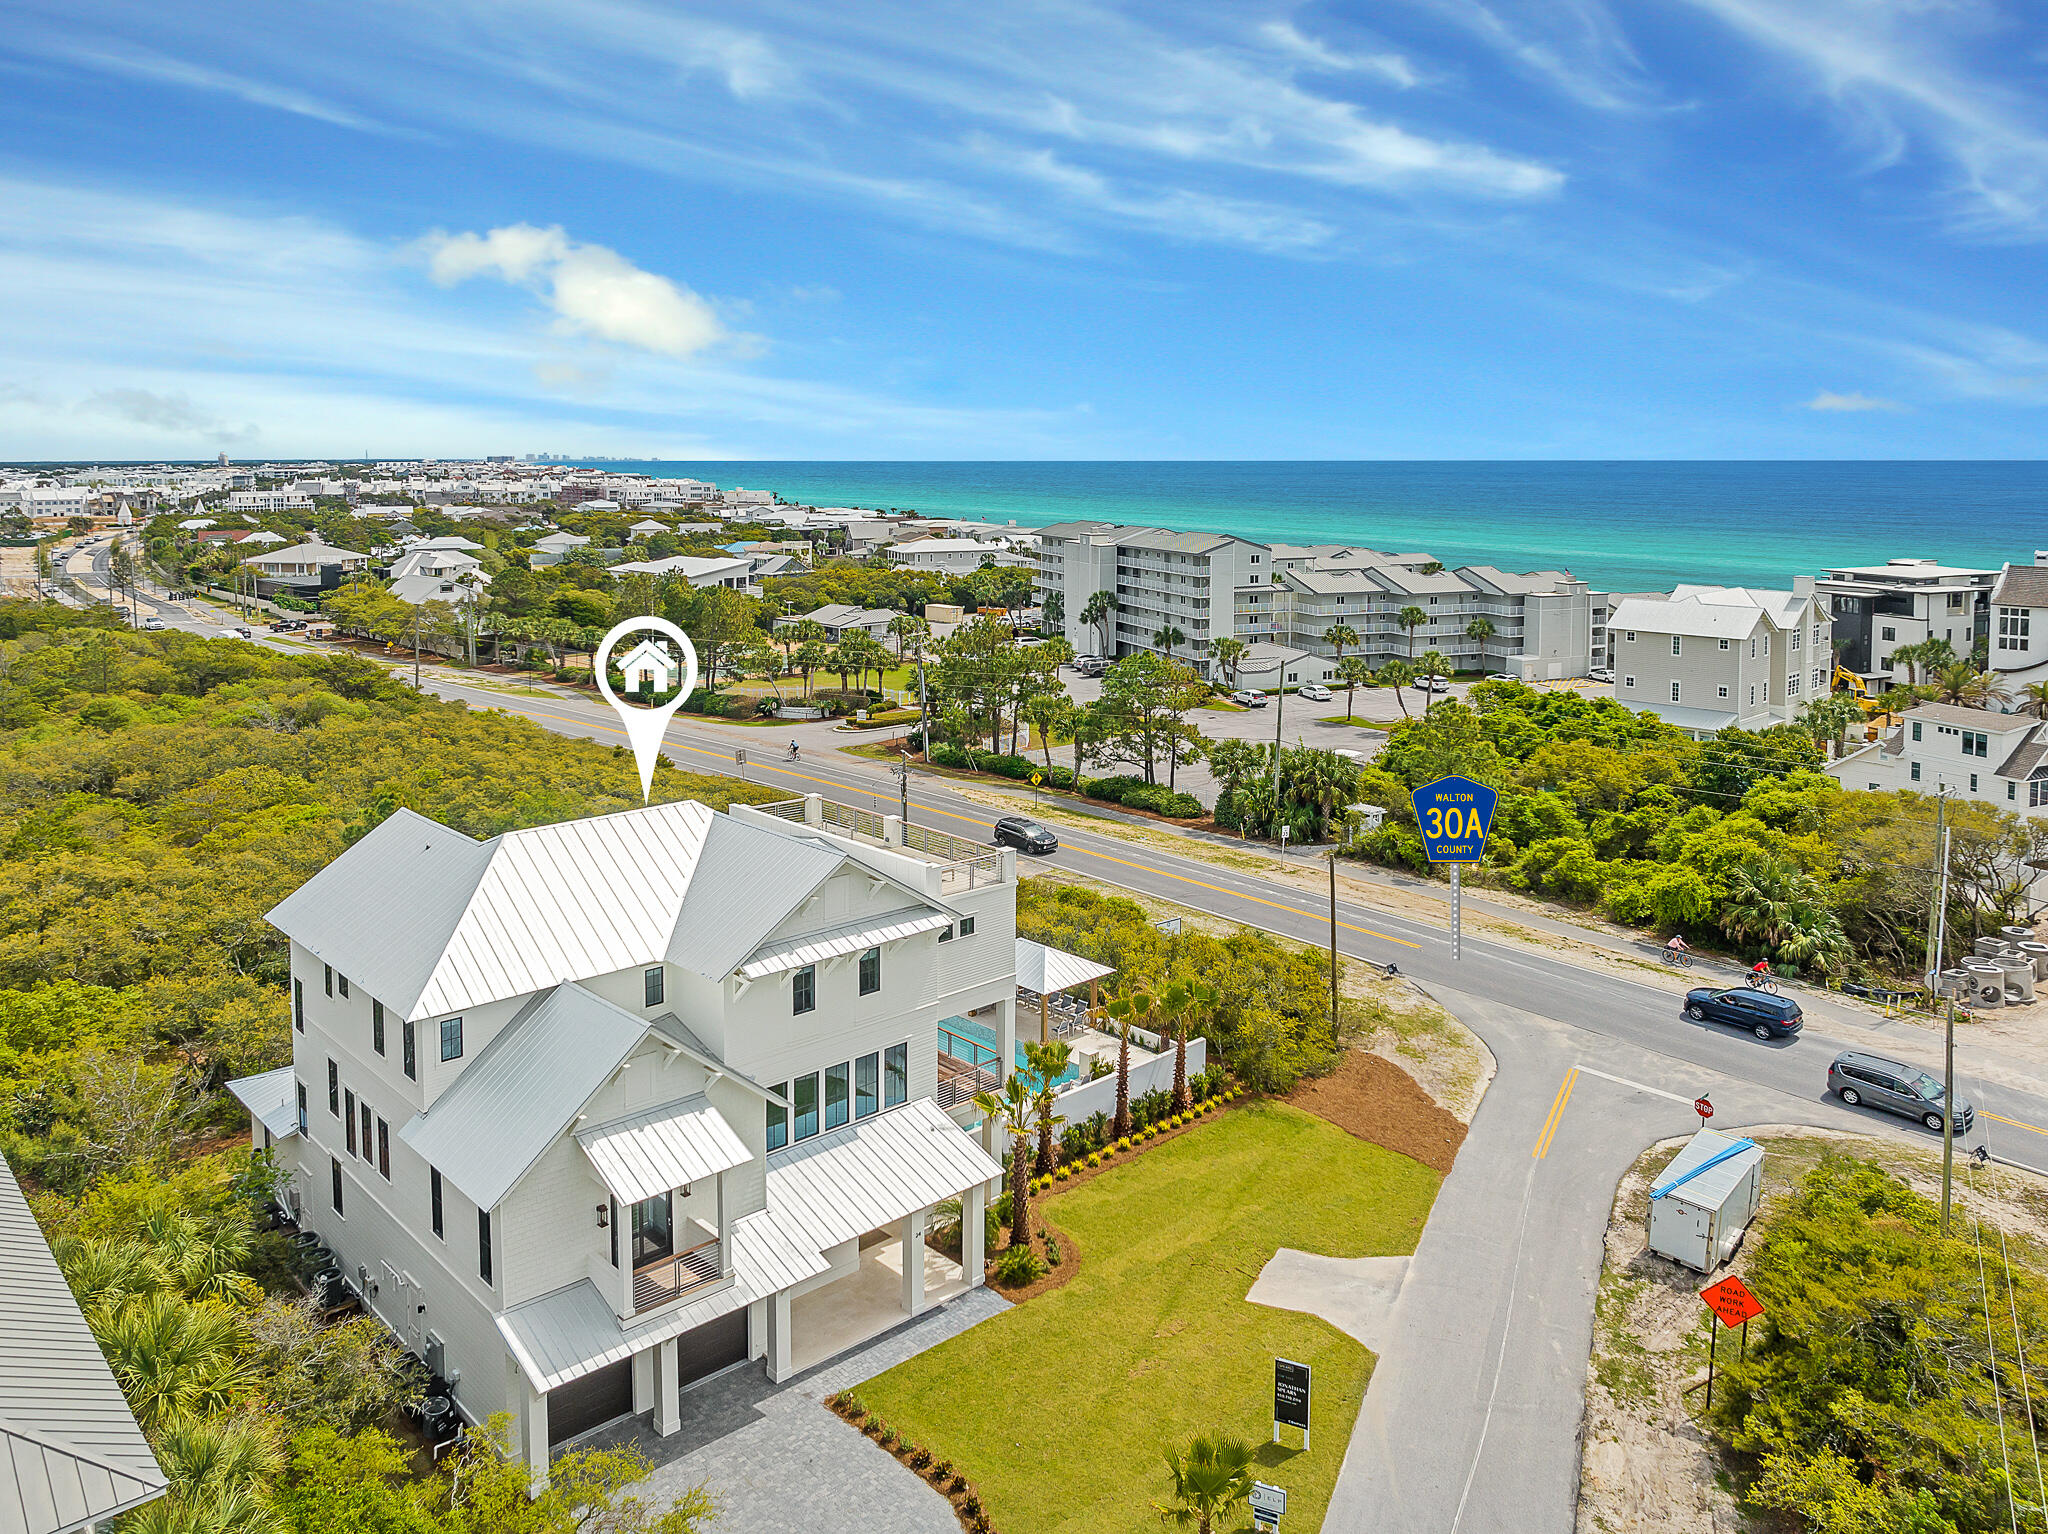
pixel 1161 873
pixel 2017 1123
pixel 1564 1095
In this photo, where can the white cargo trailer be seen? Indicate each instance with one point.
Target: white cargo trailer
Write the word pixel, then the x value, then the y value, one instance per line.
pixel 1703 1201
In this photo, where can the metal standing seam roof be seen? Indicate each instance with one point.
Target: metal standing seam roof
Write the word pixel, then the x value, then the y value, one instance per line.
pixel 816 948
pixel 873 1172
pixel 486 1130
pixel 272 1098
pixel 1046 970
pixel 1685 616
pixel 748 881
pixel 565 1335
pixel 70 1450
pixel 662 1148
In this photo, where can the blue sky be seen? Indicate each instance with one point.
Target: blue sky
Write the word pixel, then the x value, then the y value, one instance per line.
pixel 1415 229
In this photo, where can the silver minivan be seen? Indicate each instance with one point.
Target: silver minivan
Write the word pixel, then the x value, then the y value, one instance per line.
pixel 1860 1079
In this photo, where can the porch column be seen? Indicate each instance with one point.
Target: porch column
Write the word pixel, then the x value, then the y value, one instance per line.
pixel 913 1262
pixel 1006 1036
pixel 724 1233
pixel 973 1220
pixel 668 1409
pixel 533 1438
pixel 778 1337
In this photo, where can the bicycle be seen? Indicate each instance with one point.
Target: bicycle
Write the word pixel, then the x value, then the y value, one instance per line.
pixel 1758 982
pixel 1679 956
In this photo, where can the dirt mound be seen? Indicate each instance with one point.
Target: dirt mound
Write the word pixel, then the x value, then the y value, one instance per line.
pixel 1378 1101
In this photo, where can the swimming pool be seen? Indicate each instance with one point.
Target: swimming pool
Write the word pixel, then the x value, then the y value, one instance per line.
pixel 965 1038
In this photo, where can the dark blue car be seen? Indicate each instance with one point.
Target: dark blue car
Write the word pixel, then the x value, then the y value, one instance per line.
pixel 1765 1015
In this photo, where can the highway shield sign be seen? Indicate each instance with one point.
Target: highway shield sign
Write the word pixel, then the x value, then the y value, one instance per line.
pixel 1454 815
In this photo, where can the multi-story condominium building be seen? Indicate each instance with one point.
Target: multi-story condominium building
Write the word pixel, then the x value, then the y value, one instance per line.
pixel 1972 753
pixel 1877 609
pixel 1708 657
pixel 257 502
pixel 1544 623
pixel 2017 637
pixel 591 1111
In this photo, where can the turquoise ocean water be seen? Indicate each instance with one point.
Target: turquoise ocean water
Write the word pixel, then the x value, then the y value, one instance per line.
pixel 1631 526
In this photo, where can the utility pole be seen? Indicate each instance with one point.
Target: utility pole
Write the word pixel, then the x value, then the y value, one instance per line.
pixel 1279 713
pixel 418 614
pixel 1937 935
pixel 1333 945
pixel 903 779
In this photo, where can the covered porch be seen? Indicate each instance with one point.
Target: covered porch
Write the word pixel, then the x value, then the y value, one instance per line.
pixel 1049 984
pixel 863 1197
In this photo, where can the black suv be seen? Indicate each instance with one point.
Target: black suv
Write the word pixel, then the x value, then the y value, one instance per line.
pixel 1025 835
pixel 1765 1015
pixel 1872 1080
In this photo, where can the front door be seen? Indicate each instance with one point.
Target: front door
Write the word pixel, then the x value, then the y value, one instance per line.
pixel 653 1237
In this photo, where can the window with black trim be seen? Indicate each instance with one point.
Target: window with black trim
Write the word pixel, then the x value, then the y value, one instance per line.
pixel 334 1182
pixel 778 1116
pixel 805 1106
pixel 348 1120
pixel 483 1245
pixel 368 1119
pixel 377 1026
pixel 451 1038
pixel 384 1149
pixel 334 1089
pixel 328 971
pixel 967 926
pixel 344 986
pixel 409 1043
pixel 434 1197
pixel 871 971
pixel 803 990
pixel 837 1084
pixel 651 985
pixel 895 1074
pixel 302 1105
pixel 299 1005
pixel 867 1085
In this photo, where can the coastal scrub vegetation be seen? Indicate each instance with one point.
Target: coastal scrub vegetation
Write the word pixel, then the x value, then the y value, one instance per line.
pixel 1741 835
pixel 160 793
pixel 1892 1383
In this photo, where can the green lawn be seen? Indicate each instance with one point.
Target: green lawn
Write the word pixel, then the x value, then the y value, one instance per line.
pixel 1058 1410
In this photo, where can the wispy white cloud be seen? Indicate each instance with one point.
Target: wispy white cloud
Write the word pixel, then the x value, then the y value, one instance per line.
pixel 1896 74
pixel 1292 41
pixel 163 69
pixel 1575 46
pixel 1850 403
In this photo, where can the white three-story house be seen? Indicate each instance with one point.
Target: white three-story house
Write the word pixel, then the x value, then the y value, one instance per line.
pixel 592 1111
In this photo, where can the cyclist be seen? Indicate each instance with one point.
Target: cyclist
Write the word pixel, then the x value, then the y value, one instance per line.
pixel 1676 950
pixel 794 753
pixel 1761 969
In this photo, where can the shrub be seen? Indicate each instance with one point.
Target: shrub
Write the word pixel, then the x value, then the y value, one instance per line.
pixel 887 1438
pixel 942 1471
pixel 920 1457
pixel 948 756
pixel 1062 1172
pixel 1017 1266
pixel 1094 1159
pixel 874 1427
pixel 970 1504
pixel 1124 1144
pixel 1111 789
pixel 956 1484
pixel 1052 1249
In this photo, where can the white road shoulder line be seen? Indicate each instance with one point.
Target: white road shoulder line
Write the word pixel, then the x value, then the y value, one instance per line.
pixel 1623 1081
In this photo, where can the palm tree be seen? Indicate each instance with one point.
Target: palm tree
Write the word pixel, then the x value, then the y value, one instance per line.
pixel 1397 674
pixel 1338 636
pixel 1126 1007
pixel 1829 717
pixel 176 1361
pixel 1353 673
pixel 216 1470
pixel 1211 1478
pixel 1050 713
pixel 1480 629
pixel 1181 998
pixel 1013 1109
pixel 1434 667
pixel 1045 1064
pixel 793 636
pixel 2036 696
pixel 1168 639
pixel 1964 684
pixel 1228 653
pixel 1052 611
pixel 903 627
pixel 1098 611
pixel 809 656
pixel 1411 619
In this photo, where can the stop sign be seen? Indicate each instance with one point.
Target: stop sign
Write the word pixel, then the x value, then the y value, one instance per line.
pixel 1704 1107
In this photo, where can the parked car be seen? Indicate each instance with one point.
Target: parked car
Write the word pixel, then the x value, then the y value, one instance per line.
pixel 1765 1015
pixel 287 625
pixel 1245 697
pixel 152 622
pixel 1432 684
pixel 1315 692
pixel 1091 665
pixel 239 631
pixel 1860 1079
pixel 1600 674
pixel 1026 835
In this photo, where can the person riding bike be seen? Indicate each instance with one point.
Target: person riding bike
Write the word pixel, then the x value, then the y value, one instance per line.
pixel 1676 951
pixel 1761 967
pixel 794 753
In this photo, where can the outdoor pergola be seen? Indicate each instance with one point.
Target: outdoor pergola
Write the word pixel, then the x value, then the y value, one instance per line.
pixel 1048 972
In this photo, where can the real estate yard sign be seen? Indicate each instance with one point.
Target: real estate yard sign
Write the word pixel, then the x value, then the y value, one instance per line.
pixel 1268 1503
pixel 1454 814
pixel 1290 1398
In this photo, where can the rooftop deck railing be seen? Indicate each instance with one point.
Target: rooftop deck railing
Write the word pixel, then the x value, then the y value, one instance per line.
pixel 963 864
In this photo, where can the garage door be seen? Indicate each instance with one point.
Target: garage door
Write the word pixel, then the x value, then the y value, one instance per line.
pixel 713 1346
pixel 583 1404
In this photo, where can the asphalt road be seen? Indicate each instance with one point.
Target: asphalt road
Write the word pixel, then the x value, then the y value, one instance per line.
pixel 1471 1423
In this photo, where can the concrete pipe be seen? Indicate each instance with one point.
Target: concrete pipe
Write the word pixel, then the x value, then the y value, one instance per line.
pixel 2017 934
pixel 1953 982
pixel 2019 981
pixel 1989 947
pixel 2038 952
pixel 1988 992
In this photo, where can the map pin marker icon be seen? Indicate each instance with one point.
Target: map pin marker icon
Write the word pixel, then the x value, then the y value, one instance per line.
pixel 646 726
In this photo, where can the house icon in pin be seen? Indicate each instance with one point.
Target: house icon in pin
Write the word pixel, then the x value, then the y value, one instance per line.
pixel 648 667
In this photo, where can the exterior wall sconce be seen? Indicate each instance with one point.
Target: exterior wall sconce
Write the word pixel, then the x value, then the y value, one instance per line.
pixel 604 1216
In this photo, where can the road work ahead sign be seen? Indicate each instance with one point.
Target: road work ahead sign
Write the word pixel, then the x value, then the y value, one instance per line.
pixel 1453 815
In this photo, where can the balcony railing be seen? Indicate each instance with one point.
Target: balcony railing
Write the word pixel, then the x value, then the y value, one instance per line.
pixel 676 1275
pixel 963 864
pixel 959 1082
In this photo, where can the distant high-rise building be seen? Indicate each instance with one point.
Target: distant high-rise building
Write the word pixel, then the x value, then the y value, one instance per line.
pixel 222 460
